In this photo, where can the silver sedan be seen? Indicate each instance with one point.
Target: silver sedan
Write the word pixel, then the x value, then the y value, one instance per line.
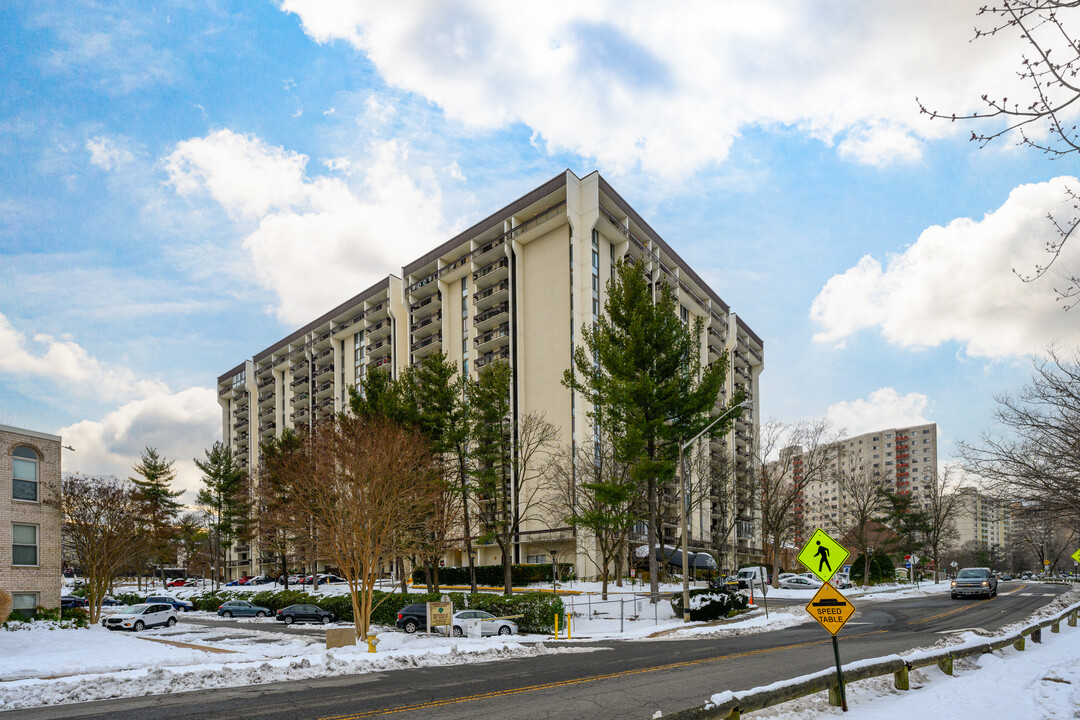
pixel 489 624
pixel 799 583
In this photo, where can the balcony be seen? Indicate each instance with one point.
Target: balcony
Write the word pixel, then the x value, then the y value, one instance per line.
pixel 267 427
pixel 426 305
pixel 479 253
pixel 239 424
pixel 379 330
pixel 266 398
pixel 299 398
pixel 425 344
pixel 499 266
pixel 492 295
pixel 299 381
pixel 324 370
pixel 325 353
pixel 380 362
pixel 491 316
pixel 503 354
pixel 486 341
pixel 322 390
pixel 378 311
pixel 378 349
pixel 425 322
pixel 265 382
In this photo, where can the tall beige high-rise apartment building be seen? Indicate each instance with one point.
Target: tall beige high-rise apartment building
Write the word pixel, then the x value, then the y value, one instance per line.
pixel 517 286
pixel 904 460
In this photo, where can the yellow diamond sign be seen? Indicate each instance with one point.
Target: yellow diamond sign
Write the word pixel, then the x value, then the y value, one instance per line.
pixel 830 608
pixel 822 555
pixel 1076 556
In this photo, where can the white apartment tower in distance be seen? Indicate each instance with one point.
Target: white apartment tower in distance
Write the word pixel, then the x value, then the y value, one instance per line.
pixel 904 458
pixel 517 286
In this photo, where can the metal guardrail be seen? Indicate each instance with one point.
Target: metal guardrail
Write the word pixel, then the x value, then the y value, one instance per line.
pixel 761 698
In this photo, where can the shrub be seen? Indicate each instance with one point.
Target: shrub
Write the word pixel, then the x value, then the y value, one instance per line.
pixel 5 606
pixel 708 604
pixel 78 617
pixel 492 575
pixel 130 598
pixel 881 568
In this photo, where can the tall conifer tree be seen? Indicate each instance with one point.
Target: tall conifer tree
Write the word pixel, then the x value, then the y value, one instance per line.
pixel 157 501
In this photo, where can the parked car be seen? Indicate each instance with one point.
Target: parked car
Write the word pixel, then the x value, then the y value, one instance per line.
pixel 330 579
pixel 489 624
pixel 974 581
pixel 784 576
pixel 241 608
pixel 177 604
pixel 412 618
pixel 141 616
pixel 178 582
pixel 112 602
pixel 1006 578
pixel 238 581
pixel 261 580
pixel 756 575
pixel 305 613
pixel 72 601
pixel 727 582
pixel 800 583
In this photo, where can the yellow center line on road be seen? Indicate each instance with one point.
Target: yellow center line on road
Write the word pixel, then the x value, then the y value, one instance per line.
pixel 579 681
pixel 954 611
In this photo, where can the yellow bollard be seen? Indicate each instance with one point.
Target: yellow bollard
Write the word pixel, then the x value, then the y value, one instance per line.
pixel 372 641
pixel 568 627
pixel 556 626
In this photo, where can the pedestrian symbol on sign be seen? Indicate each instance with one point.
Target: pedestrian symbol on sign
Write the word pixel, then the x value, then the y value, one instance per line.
pixel 823 553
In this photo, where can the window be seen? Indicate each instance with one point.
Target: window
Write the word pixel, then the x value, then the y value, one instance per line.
pixel 24 603
pixel 24 471
pixel 24 545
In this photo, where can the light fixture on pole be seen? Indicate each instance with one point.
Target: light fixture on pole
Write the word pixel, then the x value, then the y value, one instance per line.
pixel 683 508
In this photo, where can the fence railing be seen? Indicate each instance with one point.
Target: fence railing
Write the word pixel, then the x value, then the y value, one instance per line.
pixel 634 608
pixel 761 698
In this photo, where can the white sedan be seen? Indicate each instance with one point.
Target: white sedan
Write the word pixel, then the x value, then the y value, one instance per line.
pixel 799 583
pixel 489 624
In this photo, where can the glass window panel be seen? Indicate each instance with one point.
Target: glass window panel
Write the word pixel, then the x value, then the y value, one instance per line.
pixel 24 469
pixel 24 534
pixel 24 555
pixel 24 490
pixel 25 452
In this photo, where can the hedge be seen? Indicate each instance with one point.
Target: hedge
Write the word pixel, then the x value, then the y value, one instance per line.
pixel 881 568
pixel 714 604
pixel 538 609
pixel 492 575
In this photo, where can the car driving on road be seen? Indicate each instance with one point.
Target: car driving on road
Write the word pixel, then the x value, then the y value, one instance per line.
pixel 974 581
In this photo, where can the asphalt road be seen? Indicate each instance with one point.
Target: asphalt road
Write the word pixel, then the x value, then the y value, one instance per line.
pixel 617 680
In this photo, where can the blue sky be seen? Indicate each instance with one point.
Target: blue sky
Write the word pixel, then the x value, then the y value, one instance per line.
pixel 172 172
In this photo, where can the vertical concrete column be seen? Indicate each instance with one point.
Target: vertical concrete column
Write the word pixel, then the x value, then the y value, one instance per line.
pixel 901 680
pixel 946 665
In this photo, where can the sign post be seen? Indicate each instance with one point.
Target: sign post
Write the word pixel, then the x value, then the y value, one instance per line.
pixel 823 556
pixel 440 614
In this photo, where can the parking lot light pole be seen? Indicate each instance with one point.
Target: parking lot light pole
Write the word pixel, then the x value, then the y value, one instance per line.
pixel 682 509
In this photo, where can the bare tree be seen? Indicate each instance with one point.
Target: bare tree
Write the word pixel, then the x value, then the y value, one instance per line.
pixel 589 489
pixel 1037 461
pixel 1043 118
pixel 1048 537
pixel 940 504
pixel 366 486
pixel 861 498
pixel 104 530
pixel 789 457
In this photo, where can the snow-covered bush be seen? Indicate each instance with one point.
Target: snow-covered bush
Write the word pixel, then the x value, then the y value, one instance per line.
pixel 709 604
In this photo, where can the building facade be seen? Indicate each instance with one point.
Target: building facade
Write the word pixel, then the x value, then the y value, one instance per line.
pixel 518 287
pixel 29 518
pixel 982 521
pixel 903 459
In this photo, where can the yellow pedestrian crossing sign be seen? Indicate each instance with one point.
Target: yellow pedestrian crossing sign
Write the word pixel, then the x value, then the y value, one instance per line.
pixel 1076 555
pixel 822 555
pixel 830 608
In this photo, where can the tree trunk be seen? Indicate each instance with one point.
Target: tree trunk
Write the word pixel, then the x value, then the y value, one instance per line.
pixel 654 581
pixel 866 569
pixel 401 575
pixel 427 576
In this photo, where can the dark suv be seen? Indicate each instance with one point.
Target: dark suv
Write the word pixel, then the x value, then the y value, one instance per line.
pixel 974 581
pixel 412 618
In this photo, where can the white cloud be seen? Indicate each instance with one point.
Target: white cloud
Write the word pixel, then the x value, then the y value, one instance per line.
pixel 67 362
pixel 884 408
pixel 106 154
pixel 317 242
pixel 956 283
pixel 180 425
pixel 669 88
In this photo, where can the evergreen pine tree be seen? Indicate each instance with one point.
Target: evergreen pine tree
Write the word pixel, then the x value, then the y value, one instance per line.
pixel 224 497
pixel 157 500
pixel 639 367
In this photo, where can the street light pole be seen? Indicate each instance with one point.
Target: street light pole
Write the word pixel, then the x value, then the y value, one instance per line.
pixel 682 506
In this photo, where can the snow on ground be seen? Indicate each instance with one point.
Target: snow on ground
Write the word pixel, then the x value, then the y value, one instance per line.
pixel 1040 682
pixel 96 664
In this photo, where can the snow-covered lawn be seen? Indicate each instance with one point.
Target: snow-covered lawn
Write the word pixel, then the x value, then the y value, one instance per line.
pixel 43 666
